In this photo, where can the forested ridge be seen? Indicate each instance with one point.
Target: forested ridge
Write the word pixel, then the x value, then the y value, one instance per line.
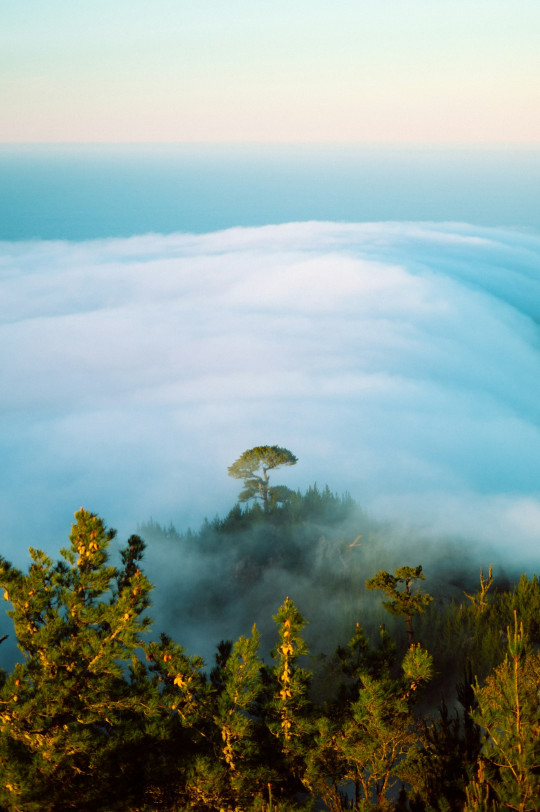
pixel 419 692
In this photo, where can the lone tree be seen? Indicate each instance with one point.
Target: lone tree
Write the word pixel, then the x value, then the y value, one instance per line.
pixel 253 466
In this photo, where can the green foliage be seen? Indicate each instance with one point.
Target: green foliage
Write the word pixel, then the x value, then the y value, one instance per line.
pixel 479 600
pixel 509 711
pixel 478 796
pixel 307 540
pixel 235 718
pixel 403 603
pixel 369 736
pixel 97 716
pixel 72 709
pixel 291 725
pixel 441 769
pixel 253 465
pixel 458 633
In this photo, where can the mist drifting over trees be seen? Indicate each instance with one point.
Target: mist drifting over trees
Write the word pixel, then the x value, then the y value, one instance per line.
pixel 105 711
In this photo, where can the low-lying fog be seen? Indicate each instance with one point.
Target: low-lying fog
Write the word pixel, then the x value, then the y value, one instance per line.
pixel 398 361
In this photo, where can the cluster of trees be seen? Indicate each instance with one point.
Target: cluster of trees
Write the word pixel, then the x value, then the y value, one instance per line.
pixel 98 716
pixel 220 577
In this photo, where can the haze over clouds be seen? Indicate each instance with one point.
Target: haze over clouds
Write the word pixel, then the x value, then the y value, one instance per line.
pixel 400 362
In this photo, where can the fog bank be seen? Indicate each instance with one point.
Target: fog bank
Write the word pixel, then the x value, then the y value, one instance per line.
pixel 398 361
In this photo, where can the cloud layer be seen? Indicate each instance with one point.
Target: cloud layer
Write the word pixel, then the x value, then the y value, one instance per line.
pixel 398 361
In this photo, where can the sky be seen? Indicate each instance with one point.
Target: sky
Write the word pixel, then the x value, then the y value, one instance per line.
pixel 366 71
pixel 397 361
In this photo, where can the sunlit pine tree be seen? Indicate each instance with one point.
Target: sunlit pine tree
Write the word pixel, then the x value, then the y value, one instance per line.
pixel 237 723
pixel 73 712
pixel 509 712
pixel 404 602
pixel 289 711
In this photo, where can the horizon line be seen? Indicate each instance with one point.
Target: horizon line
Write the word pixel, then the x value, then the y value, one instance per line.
pixel 286 143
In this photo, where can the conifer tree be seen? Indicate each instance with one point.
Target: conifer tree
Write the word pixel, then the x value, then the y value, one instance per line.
pixel 478 794
pixel 448 760
pixel 235 719
pixel 509 711
pixel 326 765
pixel 291 701
pixel 253 465
pixel 403 602
pixel 479 601
pixel 73 714
pixel 288 709
pixel 361 745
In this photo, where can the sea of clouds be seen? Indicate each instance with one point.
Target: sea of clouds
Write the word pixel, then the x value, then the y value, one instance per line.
pixel 398 361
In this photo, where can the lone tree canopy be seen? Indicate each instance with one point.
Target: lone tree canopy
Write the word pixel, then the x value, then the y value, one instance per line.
pixel 253 466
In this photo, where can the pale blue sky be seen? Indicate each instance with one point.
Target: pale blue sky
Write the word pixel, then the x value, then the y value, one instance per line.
pixel 270 70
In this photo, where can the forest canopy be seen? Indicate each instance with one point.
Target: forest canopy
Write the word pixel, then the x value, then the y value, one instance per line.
pixel 102 714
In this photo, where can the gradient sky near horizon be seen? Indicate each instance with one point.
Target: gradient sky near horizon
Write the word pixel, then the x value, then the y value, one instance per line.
pixel 253 70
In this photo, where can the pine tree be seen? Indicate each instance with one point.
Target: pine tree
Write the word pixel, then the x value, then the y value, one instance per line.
pixel 509 712
pixel 292 681
pixel 74 714
pixel 403 602
pixel 237 725
pixel 253 465
pixel 362 746
pixel 479 601
pixel 448 760
pixel 287 711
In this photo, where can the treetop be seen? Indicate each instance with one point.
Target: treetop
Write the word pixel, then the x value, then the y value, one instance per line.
pixel 262 456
